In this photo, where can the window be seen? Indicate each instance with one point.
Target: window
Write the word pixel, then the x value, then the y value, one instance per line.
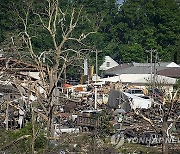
pixel 137 92
pixel 108 64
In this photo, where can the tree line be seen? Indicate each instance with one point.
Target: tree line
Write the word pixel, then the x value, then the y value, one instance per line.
pixel 124 31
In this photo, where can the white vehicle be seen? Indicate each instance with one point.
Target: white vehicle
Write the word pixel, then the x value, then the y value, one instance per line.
pixel 136 92
pixel 138 102
pixel 62 129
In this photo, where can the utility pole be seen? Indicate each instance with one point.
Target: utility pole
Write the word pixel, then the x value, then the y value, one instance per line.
pixel 96 65
pixel 95 100
pixel 151 65
pixel 154 77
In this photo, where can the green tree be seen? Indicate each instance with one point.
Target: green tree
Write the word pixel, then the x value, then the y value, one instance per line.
pixel 148 23
pixel 152 24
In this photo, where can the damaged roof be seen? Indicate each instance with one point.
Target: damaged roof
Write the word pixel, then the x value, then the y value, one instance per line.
pixel 10 64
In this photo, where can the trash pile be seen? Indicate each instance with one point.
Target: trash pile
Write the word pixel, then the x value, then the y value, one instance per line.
pixel 79 109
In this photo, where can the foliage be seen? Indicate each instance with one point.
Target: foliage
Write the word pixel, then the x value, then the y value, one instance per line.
pixel 125 31
pixel 105 128
pixel 177 85
pixel 27 130
pixel 25 145
pixel 151 24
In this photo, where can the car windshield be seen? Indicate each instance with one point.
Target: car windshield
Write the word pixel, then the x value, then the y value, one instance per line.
pixel 137 91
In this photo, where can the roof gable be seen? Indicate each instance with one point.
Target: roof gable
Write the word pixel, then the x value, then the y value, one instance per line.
pixel 172 64
pixel 108 63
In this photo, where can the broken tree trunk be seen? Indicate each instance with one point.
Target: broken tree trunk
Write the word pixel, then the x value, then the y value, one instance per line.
pixel 7 115
pixel 33 131
pixel 164 135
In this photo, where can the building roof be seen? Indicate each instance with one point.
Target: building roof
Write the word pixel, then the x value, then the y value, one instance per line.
pixel 162 64
pixel 139 79
pixel 170 72
pixel 16 65
pixel 163 68
pixel 133 70
pixel 7 87
pixel 119 67
pixel 172 64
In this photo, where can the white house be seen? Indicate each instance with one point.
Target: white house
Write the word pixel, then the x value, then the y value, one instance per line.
pixel 108 63
pixel 141 80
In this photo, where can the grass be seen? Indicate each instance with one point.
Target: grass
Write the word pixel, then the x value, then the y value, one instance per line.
pixel 138 149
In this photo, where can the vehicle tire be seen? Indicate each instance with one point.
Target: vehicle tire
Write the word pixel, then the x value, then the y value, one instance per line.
pixel 80 129
pixel 85 129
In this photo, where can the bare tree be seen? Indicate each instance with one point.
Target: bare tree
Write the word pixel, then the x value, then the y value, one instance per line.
pixel 60 26
pixel 167 110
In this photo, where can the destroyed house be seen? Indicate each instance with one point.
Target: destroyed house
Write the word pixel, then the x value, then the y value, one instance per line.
pixel 10 64
pixel 117 99
pixel 13 71
pixel 19 68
